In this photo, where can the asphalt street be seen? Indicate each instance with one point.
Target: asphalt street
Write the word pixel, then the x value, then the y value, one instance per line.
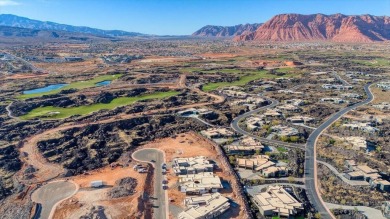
pixel 156 158
pixel 51 193
pixel 310 162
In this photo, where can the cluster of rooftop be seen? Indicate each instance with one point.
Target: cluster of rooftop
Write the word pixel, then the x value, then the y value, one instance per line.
pixel 217 133
pixel 335 100
pixel 336 87
pixel 196 178
pixel 285 130
pixel 366 173
pixel 384 85
pixel 263 165
pixel 362 126
pixel 192 165
pixel 246 146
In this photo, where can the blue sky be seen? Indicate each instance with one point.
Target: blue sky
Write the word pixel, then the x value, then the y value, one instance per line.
pixel 179 17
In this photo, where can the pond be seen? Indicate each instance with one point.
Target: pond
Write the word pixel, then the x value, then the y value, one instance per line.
pixel 45 89
pixel 103 83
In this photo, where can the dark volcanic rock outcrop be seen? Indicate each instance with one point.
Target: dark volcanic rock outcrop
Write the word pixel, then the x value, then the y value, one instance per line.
pixel 94 146
pixel 104 98
pixel 337 27
pixel 225 31
pixel 123 187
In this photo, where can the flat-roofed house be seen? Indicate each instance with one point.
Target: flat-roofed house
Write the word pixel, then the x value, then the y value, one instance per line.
pixel 272 113
pixel 192 165
pixel 274 171
pixel 381 184
pixel 204 207
pixel 289 108
pixel 369 173
pixel 217 133
pixel 200 183
pixel 355 175
pixel 277 201
pixel 263 165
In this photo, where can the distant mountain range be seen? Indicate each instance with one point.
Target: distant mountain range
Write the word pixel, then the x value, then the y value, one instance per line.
pixel 18 34
pixel 283 27
pixel 225 31
pixel 22 22
pixel 317 27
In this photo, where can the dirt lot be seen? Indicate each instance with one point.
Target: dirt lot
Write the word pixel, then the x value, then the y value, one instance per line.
pixel 81 203
pixel 70 67
pixel 190 145
pixel 380 96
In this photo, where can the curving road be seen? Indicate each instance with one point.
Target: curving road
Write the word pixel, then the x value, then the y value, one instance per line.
pixel 235 126
pixel 50 195
pixel 9 112
pixel 156 158
pixel 312 190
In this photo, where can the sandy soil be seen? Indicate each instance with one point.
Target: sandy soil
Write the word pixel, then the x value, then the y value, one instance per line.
pixel 25 76
pixel 189 145
pixel 218 55
pixel 70 67
pixel 379 95
pixel 85 198
pixel 159 59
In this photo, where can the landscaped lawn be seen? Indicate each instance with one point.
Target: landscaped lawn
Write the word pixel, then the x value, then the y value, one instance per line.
pixel 75 85
pixel 281 149
pixel 374 63
pixel 227 70
pixel 51 112
pixel 254 75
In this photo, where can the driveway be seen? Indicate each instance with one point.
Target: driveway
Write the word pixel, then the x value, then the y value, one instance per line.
pixel 156 158
pixel 371 213
pixel 50 194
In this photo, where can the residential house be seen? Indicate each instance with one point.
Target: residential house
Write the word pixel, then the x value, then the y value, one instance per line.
pixel 191 165
pixel 205 206
pixel 276 201
pixel 201 183
pixel 217 133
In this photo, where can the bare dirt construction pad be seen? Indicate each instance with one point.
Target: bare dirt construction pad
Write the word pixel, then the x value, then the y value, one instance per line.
pixel 49 194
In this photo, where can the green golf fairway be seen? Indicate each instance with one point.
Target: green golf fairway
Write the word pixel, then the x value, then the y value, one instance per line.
pixel 75 85
pixel 51 112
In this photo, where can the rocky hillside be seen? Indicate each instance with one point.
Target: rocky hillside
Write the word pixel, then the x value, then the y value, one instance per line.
pixel 337 27
pixel 225 31
pixel 16 21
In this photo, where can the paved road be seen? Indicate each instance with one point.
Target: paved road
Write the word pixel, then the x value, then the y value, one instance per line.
pixel 342 177
pixel 310 158
pixel 156 158
pixel 371 213
pixel 268 142
pixel 9 112
pixel 51 194
pixel 254 190
pixel 344 82
pixel 199 119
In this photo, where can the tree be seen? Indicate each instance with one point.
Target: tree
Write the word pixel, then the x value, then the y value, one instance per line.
pixel 284 138
pixel 332 141
pixel 294 138
pixel 291 179
pixel 317 216
pixel 232 159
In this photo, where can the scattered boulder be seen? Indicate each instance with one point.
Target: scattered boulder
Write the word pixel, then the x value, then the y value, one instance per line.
pixel 123 187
